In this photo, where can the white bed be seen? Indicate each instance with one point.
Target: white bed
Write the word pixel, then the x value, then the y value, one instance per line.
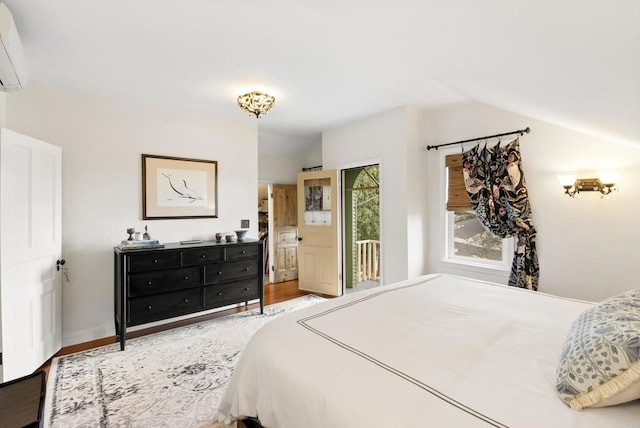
pixel 438 351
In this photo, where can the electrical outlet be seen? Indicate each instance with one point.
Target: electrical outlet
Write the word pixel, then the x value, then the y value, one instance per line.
pixel 244 224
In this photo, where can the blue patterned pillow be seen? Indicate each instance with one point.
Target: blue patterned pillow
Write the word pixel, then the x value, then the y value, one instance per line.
pixel 600 362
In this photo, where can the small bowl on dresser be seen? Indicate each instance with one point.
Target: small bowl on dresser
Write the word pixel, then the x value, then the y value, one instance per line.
pixel 228 238
pixel 241 234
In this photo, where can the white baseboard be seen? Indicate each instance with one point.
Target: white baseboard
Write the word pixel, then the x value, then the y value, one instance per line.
pixel 75 338
pixel 83 336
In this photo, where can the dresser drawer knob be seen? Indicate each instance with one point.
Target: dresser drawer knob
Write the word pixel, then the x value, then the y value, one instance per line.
pixel 149 282
pixel 149 307
pixel 247 269
pixel 246 288
pixel 204 256
pixel 219 293
pixel 219 272
pixel 244 252
pixel 185 277
pixel 186 300
pixel 155 260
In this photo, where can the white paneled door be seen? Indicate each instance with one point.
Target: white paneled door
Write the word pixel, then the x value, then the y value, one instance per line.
pixel 318 246
pixel 30 252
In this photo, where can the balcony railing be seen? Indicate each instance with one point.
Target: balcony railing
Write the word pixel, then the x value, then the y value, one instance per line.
pixel 368 260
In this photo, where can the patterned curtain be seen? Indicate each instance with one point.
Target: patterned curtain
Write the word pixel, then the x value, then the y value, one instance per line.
pixel 494 181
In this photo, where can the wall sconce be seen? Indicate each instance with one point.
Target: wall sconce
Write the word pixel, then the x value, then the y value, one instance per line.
pixel 603 184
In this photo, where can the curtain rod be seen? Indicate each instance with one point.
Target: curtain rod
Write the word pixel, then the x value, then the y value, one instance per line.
pixel 519 131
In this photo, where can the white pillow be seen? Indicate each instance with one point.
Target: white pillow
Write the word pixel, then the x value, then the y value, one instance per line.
pixel 600 362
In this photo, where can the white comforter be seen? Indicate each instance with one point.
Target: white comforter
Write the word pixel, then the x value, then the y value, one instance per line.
pixel 437 351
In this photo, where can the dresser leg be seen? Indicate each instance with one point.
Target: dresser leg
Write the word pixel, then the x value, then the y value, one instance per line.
pixel 122 337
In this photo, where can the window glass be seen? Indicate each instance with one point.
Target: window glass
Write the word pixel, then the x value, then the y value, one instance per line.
pixel 317 202
pixel 471 240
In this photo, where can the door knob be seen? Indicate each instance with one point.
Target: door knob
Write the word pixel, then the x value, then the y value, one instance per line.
pixel 59 263
pixel 299 238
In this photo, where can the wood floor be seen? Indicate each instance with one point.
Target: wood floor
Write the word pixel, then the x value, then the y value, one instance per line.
pixel 273 293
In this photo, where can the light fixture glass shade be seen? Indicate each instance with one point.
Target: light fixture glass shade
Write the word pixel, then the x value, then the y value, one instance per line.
pixel 608 177
pixel 566 179
pixel 256 103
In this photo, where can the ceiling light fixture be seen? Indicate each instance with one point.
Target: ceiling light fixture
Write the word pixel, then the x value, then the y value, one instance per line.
pixel 256 103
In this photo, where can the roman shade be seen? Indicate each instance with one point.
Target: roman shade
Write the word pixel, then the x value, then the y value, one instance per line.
pixel 457 197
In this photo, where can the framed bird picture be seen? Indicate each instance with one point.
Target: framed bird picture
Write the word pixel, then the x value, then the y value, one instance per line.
pixel 175 188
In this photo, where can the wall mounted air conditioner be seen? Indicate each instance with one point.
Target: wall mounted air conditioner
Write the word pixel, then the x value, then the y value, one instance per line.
pixel 13 70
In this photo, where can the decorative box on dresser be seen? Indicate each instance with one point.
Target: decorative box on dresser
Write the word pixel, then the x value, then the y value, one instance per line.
pixel 160 283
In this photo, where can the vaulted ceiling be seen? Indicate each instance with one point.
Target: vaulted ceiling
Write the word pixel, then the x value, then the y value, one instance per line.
pixel 569 62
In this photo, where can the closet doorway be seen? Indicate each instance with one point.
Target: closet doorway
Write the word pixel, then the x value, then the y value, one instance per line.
pixel 361 202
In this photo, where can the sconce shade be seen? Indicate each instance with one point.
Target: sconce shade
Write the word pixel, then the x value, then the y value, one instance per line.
pixel 608 177
pixel 256 103
pixel 566 179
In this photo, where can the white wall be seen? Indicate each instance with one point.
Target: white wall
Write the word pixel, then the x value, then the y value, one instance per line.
pixel 390 139
pixel 279 168
pixel 282 157
pixel 102 141
pixel 314 157
pixel 416 180
pixel 585 244
pixel 3 109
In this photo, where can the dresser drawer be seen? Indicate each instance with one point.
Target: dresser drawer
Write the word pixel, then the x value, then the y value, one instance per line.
pixel 229 271
pixel 242 252
pixel 144 283
pixel 161 306
pixel 198 256
pixel 156 260
pixel 239 291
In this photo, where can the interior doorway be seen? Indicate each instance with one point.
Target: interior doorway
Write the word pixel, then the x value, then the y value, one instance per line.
pixel 361 202
pixel 263 228
pixel 277 227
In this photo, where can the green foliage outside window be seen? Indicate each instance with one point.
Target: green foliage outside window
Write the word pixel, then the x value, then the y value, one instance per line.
pixel 367 204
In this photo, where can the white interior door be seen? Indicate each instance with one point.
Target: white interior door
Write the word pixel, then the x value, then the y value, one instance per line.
pixel 30 246
pixel 318 246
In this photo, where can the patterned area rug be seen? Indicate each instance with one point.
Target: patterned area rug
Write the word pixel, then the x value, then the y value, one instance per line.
pixel 170 379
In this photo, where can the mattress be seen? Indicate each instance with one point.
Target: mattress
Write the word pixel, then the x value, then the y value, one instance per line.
pixel 436 351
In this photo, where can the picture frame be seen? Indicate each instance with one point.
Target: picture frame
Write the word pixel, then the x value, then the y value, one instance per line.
pixel 179 188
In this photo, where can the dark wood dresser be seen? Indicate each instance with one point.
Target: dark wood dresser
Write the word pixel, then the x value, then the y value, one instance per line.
pixel 161 283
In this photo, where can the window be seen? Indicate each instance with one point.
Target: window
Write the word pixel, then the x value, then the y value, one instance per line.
pixel 468 242
pixel 468 239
